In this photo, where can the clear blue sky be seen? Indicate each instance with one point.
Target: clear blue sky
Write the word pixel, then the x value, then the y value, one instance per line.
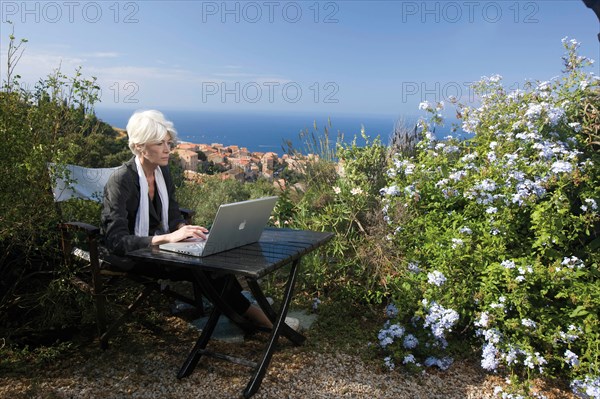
pixel 352 57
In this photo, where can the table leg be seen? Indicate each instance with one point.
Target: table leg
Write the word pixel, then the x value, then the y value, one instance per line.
pixel 216 298
pixel 194 356
pixel 220 307
pixel 261 300
pixel 278 324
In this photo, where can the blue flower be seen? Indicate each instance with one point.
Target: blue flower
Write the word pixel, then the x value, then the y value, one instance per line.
pixel 396 331
pixel 489 357
pixel 528 323
pixel 408 359
pixel 410 341
pixel 536 359
pixel 391 311
pixel 508 264
pixel 386 341
pixel 458 175
pixel 457 242
pixel 592 203
pixel 389 362
pixel 571 358
pixel 411 191
pixel 561 167
pixel 440 319
pixel 405 166
pixel 484 320
pixel 316 303
pixel 465 230
pixel 414 267
pixel 576 126
pixel 392 190
pixel 388 333
pixel 451 149
pixel 573 262
pixel 587 388
pixel 436 278
pixel 569 337
pixel 443 364
pixel 492 335
pixel 512 355
pixel 487 185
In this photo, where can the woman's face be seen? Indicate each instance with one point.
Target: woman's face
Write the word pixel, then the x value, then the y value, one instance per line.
pixel 158 152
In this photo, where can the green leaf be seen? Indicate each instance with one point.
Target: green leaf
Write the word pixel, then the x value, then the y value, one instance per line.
pixel 594 245
pixel 579 311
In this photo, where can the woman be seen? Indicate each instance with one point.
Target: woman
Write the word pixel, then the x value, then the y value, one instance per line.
pixel 140 209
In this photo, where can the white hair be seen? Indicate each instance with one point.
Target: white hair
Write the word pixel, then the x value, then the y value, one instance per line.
pixel 148 126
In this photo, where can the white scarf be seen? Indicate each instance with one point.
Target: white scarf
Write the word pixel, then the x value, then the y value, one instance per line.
pixel 142 219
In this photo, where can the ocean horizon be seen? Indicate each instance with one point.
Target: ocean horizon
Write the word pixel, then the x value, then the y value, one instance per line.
pixel 264 132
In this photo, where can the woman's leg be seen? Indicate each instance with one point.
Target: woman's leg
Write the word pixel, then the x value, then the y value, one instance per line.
pixel 233 296
pixel 258 317
pixel 240 303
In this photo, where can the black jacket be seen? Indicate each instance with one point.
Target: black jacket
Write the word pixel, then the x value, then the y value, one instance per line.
pixel 121 202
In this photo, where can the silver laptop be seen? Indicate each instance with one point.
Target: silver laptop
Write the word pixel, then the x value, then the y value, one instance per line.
pixel 235 225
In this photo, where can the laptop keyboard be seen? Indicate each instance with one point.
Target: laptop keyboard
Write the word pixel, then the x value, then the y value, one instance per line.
pixel 199 245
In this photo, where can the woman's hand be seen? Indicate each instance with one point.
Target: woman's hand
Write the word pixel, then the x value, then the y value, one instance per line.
pixel 188 231
pixel 184 232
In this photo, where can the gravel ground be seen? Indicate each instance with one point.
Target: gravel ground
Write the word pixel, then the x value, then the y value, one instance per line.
pixel 141 364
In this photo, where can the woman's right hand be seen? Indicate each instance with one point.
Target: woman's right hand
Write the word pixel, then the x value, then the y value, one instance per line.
pixel 182 233
pixel 188 231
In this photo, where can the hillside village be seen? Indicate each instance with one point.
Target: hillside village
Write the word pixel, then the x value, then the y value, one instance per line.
pixel 234 162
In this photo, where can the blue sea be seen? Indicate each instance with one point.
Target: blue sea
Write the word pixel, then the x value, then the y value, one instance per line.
pixel 264 132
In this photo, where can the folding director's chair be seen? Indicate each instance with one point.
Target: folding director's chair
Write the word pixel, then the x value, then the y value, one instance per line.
pixel 81 241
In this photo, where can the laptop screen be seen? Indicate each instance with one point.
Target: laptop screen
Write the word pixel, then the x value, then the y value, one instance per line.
pixel 235 225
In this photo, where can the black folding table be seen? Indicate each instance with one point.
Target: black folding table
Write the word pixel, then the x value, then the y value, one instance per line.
pixel 276 248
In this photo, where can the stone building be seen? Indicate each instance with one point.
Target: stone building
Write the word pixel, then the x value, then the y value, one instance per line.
pixel 189 159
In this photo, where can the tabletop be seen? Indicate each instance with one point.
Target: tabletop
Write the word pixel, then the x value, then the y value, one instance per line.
pixel 275 248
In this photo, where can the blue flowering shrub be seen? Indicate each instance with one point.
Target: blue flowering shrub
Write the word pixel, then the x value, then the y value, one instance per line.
pixel 501 234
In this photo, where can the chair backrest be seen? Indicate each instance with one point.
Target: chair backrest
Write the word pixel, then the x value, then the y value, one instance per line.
pixel 72 181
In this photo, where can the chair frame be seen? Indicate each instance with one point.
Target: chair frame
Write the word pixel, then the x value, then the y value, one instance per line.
pixel 101 271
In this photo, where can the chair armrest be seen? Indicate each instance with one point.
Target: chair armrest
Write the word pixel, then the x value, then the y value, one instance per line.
pixel 91 230
pixel 188 214
pixel 92 233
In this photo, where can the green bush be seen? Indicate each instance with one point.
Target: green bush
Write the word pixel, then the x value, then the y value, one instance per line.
pixel 204 198
pixel 339 192
pixel 52 123
pixel 502 238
